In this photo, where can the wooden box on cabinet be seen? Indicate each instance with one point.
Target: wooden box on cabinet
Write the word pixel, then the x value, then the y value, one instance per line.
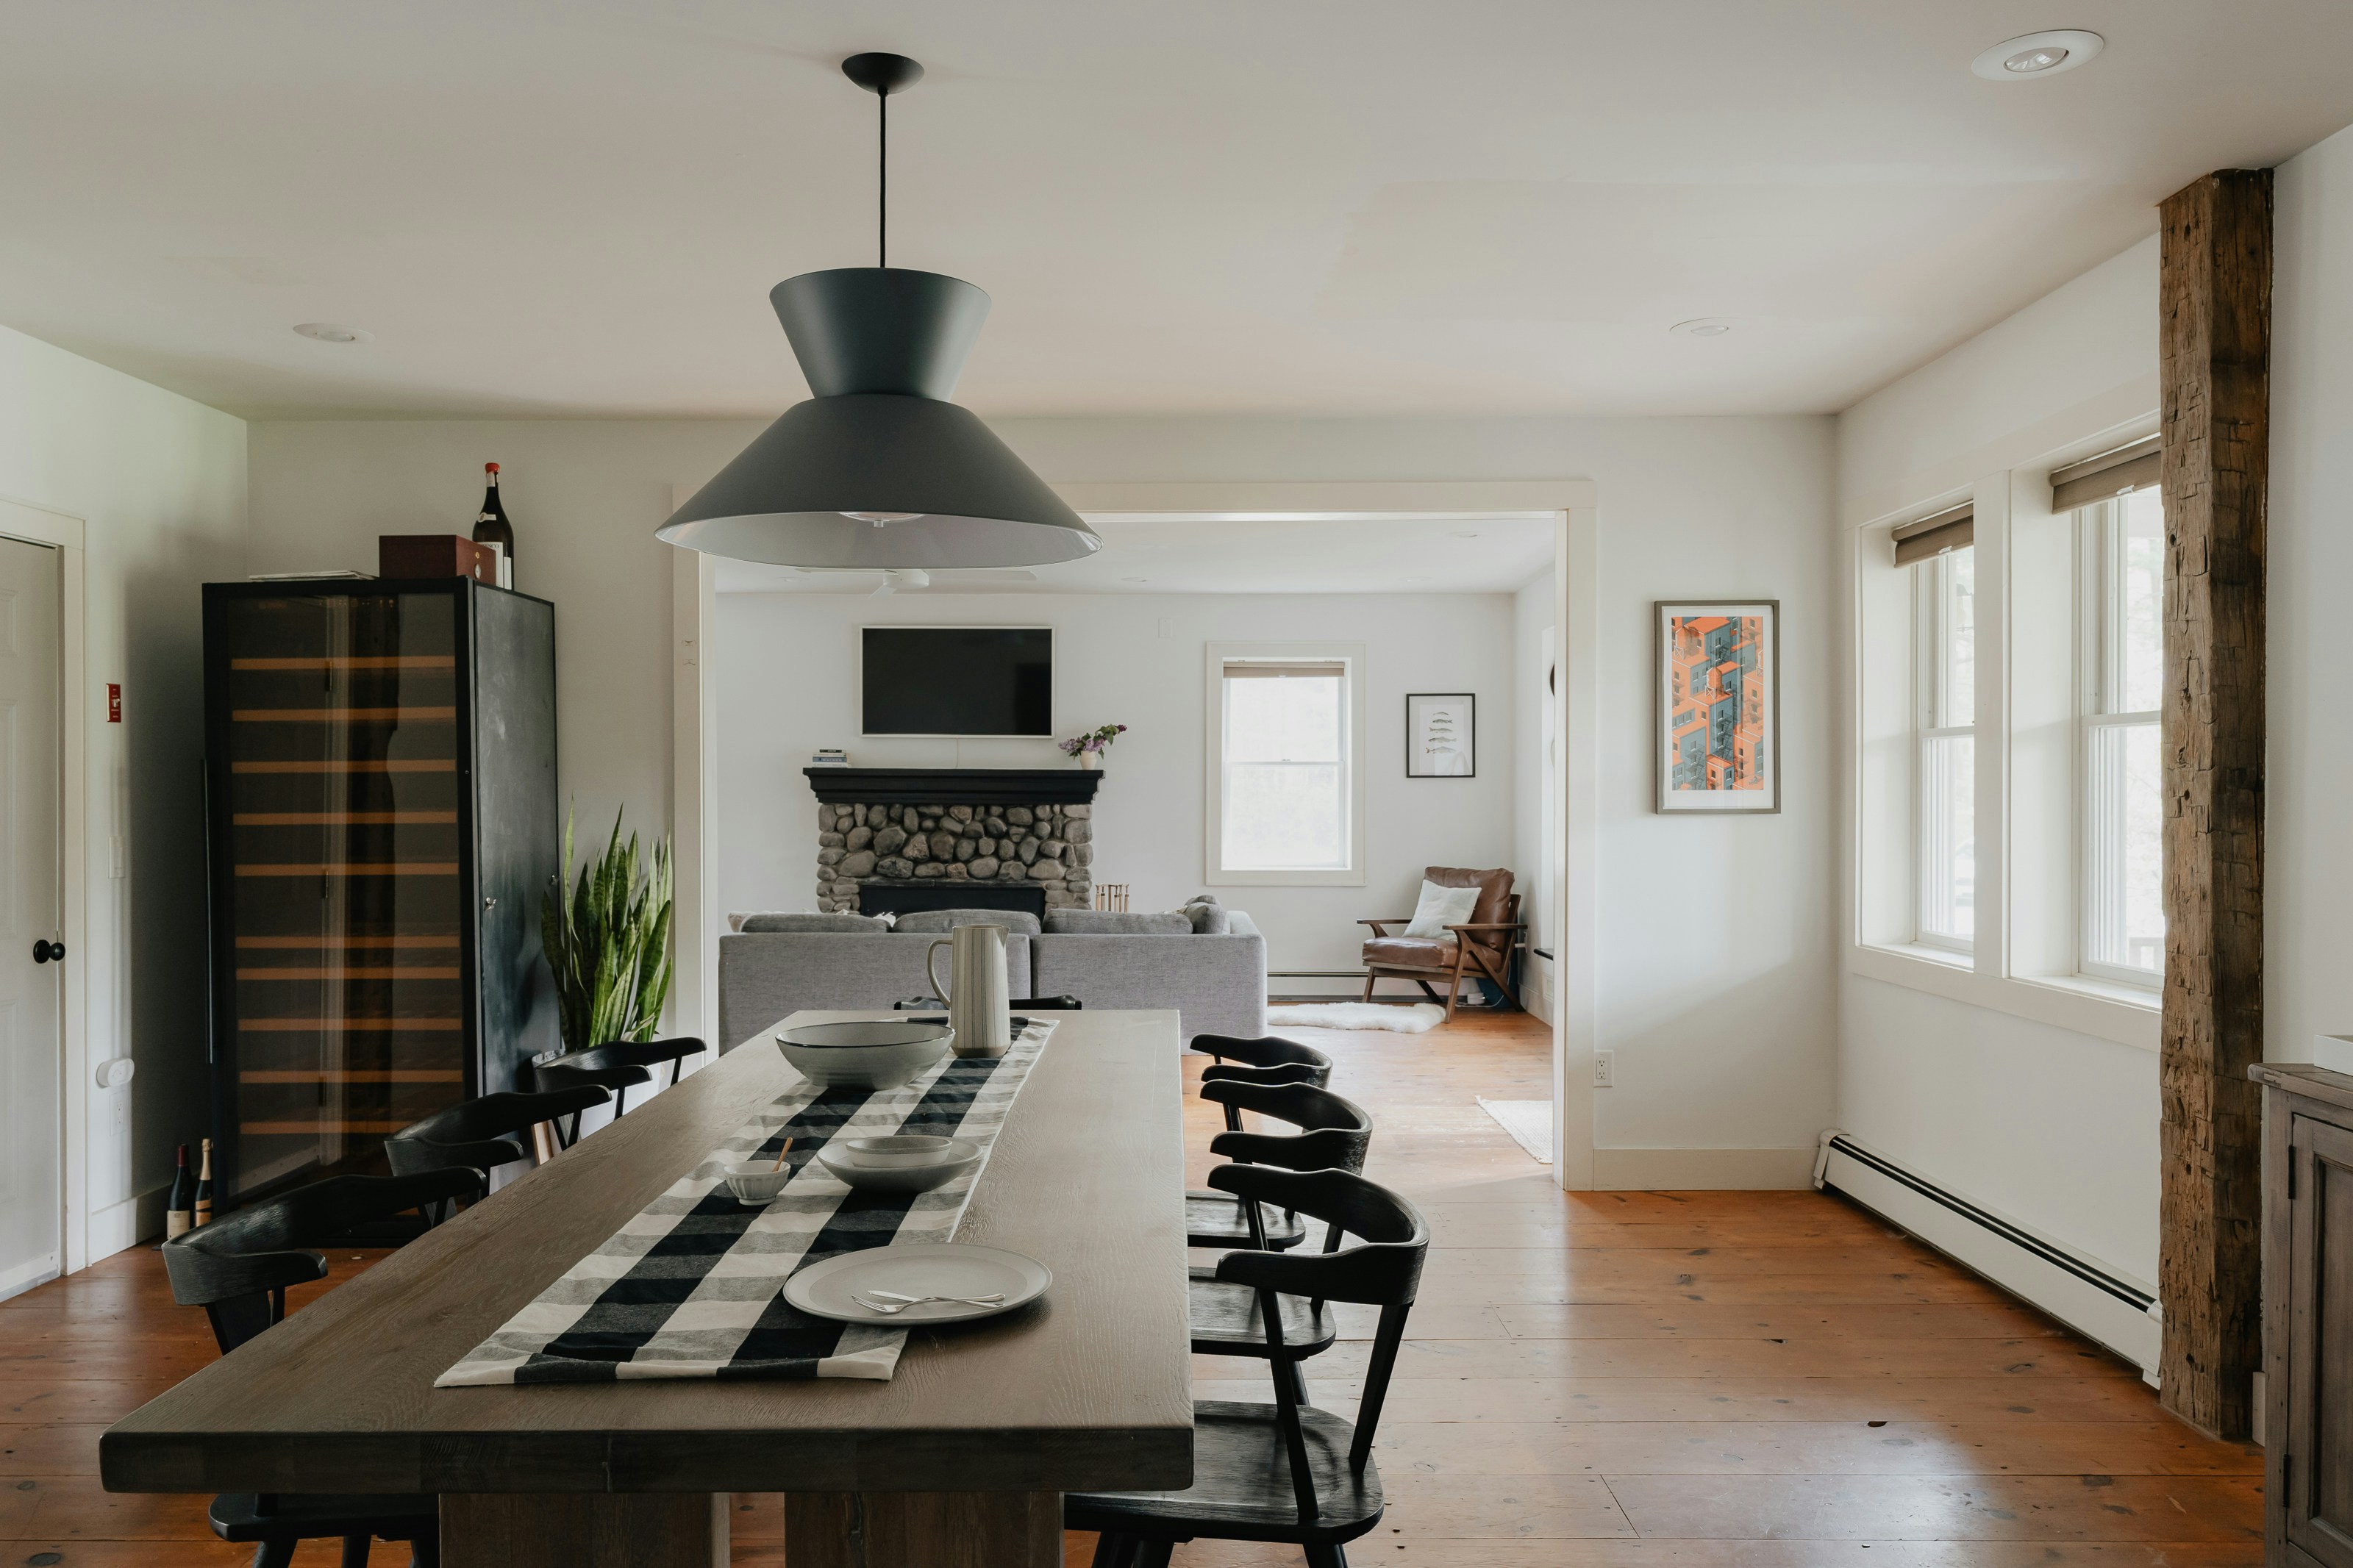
pixel 380 768
pixel 2307 1315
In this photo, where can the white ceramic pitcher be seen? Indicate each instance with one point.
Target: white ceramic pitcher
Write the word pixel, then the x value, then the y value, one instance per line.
pixel 979 997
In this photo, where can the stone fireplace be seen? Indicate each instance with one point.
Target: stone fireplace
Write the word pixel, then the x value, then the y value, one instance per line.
pixel 932 831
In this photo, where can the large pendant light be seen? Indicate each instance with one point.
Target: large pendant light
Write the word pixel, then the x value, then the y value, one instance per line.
pixel 879 469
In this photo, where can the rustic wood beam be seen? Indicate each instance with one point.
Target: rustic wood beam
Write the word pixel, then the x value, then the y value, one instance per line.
pixel 2214 301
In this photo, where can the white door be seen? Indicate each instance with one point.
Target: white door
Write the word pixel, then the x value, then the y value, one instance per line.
pixel 32 1212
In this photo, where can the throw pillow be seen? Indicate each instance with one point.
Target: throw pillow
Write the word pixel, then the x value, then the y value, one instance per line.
pixel 1105 923
pixel 1438 908
pixel 939 922
pixel 806 924
pixel 1209 917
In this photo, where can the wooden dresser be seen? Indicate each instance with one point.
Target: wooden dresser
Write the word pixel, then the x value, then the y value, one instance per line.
pixel 2307 1315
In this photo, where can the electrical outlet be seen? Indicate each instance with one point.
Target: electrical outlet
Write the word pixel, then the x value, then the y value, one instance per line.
pixel 1604 1069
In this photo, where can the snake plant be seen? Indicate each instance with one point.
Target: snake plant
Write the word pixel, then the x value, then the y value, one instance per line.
pixel 610 943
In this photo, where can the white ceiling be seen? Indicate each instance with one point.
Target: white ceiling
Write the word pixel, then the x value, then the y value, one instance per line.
pixel 577 206
pixel 1371 553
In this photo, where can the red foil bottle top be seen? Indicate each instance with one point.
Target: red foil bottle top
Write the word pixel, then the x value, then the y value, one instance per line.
pixel 490 468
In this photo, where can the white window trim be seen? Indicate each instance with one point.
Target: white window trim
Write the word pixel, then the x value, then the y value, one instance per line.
pixel 1215 872
pixel 2102 645
pixel 1883 917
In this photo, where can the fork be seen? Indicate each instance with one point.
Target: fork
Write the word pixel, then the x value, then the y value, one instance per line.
pixel 892 1308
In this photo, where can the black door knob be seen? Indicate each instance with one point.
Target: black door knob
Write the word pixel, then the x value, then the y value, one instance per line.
pixel 44 951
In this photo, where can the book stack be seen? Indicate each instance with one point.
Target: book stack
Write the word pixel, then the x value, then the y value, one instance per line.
pixel 830 757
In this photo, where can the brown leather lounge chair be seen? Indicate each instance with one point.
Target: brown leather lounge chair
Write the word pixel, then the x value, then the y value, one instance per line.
pixel 1482 948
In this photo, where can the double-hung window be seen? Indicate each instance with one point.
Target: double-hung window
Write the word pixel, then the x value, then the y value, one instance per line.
pixel 1945 728
pixel 2122 541
pixel 1286 802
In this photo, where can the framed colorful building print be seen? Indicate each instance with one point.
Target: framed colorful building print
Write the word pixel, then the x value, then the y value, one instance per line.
pixel 1719 704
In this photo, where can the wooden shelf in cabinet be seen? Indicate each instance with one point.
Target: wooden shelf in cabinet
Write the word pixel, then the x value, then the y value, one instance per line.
pixel 353 765
pixel 402 715
pixel 343 818
pixel 349 1026
pixel 351 869
pixel 441 661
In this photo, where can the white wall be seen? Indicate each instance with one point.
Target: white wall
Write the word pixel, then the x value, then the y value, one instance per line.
pixel 1717 937
pixel 159 483
pixel 2308 855
pixel 2051 1126
pixel 786 662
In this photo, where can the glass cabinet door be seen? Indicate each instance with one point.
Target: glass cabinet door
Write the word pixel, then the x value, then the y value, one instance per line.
pixel 343 877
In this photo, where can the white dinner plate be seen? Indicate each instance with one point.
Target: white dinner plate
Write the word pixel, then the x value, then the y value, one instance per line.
pixel 827 1289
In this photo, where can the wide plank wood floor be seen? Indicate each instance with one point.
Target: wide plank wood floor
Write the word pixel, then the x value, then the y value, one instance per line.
pixel 1765 1380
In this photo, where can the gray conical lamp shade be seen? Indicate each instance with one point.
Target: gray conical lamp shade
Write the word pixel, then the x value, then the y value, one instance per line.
pixel 879 469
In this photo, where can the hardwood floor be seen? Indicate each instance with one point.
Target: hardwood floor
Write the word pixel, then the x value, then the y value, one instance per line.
pixel 1765 1380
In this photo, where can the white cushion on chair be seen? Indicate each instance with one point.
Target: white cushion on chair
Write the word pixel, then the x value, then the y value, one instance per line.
pixel 1439 908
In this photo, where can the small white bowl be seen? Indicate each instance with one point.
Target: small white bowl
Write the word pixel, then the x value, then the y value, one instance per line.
pixel 757 1183
pixel 858 1170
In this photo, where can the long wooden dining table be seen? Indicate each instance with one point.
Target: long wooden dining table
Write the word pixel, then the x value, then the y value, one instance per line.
pixel 958 1461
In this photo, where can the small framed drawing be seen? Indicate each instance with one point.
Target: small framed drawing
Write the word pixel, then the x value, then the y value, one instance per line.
pixel 1441 735
pixel 1719 704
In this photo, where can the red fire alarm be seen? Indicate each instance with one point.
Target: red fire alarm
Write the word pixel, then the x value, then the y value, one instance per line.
pixel 113 702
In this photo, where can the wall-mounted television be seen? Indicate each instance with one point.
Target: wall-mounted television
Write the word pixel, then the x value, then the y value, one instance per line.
pixel 956 680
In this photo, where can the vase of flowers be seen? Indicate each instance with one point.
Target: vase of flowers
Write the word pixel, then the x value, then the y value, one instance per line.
pixel 1089 747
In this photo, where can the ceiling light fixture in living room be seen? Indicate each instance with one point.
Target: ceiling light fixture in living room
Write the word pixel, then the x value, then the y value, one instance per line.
pixel 877 469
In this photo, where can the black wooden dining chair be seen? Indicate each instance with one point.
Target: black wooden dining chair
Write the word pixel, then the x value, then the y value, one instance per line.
pixel 617 1065
pixel 1267 1059
pixel 1333 1134
pixel 237 1268
pixel 1286 1472
pixel 481 1134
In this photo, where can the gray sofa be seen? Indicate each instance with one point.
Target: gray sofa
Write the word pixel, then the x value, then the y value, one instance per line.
pixel 1217 982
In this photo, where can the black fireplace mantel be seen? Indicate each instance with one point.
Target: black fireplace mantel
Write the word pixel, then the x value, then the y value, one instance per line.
pixel 954 786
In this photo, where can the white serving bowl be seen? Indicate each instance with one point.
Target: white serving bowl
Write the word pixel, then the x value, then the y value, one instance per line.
pixel 886 1171
pixel 878 1054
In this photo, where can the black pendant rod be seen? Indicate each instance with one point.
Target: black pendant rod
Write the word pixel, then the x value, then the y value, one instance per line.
pixel 882 75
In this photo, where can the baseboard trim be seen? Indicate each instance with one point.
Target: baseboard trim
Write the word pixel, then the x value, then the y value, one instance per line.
pixel 1702 1170
pixel 118 1227
pixel 26 1276
pixel 2093 1297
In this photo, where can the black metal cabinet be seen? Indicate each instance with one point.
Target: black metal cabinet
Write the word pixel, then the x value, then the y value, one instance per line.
pixel 382 817
pixel 2307 1315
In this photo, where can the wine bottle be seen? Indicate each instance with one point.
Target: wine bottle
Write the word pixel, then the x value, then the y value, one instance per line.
pixel 203 1205
pixel 493 528
pixel 180 1208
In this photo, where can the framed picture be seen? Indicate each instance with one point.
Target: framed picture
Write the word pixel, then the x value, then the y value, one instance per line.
pixel 1719 704
pixel 1441 735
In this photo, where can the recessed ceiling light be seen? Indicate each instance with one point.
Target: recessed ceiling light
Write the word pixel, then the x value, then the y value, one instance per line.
pixel 330 332
pixel 2038 54
pixel 1702 327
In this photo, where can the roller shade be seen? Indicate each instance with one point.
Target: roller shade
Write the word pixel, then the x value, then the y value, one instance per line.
pixel 2120 472
pixel 1280 669
pixel 1935 535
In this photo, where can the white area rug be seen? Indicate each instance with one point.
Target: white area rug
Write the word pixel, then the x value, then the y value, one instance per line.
pixel 1413 1020
pixel 1529 1121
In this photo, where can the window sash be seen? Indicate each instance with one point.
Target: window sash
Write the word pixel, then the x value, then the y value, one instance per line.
pixel 1231 850
pixel 1944 761
pixel 2105 947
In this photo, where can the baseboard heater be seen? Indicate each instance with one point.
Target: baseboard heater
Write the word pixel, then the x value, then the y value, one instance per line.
pixel 2091 1297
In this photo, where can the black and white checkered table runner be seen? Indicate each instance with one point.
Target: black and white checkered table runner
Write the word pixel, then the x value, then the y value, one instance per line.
pixel 692 1287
